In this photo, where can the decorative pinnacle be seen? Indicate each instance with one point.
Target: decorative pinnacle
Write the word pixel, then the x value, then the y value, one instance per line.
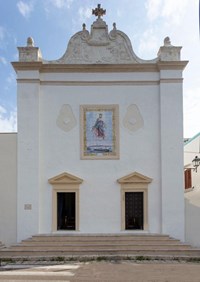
pixel 167 41
pixel 98 12
pixel 30 42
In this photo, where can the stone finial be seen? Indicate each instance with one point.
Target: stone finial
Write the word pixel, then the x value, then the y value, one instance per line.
pixel 84 33
pixel 30 42
pixel 84 26
pixel 167 41
pixel 168 52
pixel 30 53
pixel 113 32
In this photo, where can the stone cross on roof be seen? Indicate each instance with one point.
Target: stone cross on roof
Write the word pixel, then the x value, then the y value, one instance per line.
pixel 98 12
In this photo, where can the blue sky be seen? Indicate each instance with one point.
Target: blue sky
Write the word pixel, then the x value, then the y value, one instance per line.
pixel 51 23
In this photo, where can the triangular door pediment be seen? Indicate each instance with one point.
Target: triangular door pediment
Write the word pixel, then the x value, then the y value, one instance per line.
pixel 134 177
pixel 65 178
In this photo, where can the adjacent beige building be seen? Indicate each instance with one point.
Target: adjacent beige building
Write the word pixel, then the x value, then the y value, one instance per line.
pixel 8 188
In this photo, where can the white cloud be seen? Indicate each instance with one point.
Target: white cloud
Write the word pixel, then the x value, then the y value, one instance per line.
pixel 149 44
pixel 2 110
pixel 50 5
pixel 3 61
pixel 10 82
pixel 172 11
pixel 8 121
pixel 191 103
pixel 153 9
pixel 25 8
pixel 6 38
pixel 119 13
pixel 2 33
pixel 11 78
pixel 3 37
pixel 60 4
pixel 84 13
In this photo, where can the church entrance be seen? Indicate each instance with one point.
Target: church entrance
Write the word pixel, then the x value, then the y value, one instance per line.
pixel 134 211
pixel 66 211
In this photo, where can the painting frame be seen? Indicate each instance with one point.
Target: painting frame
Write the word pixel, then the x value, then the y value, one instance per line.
pixel 99 131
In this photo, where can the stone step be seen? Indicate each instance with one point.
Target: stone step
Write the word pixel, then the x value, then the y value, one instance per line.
pixel 99 241
pixel 99 245
pixel 103 252
pixel 84 237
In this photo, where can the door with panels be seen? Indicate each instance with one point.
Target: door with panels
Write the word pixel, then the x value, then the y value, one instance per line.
pixel 134 201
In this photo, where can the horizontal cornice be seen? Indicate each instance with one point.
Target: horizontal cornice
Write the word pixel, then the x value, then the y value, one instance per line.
pixel 84 68
pixel 88 83
pixel 102 82
pixel 174 65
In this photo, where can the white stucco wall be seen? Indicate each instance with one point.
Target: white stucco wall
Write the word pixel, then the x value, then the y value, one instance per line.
pixel 154 150
pixel 8 188
pixel 28 173
pixel 192 197
pixel 172 158
pixel 100 193
pixel 192 215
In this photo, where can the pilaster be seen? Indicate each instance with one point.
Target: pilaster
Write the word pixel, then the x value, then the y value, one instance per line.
pixel 171 142
pixel 28 162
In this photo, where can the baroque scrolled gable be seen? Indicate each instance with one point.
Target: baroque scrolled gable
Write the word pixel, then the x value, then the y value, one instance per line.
pixel 99 46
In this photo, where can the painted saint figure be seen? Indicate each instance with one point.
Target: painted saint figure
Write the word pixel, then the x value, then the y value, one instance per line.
pixel 99 127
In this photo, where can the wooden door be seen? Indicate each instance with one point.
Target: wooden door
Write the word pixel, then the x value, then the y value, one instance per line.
pixel 66 211
pixel 134 210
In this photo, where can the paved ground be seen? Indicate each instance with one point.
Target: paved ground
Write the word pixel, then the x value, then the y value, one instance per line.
pixel 120 271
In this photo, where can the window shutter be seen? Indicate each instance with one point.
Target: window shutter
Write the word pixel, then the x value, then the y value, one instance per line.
pixel 188 178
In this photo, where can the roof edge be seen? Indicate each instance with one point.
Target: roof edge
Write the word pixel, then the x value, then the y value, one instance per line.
pixel 135 67
pixel 193 138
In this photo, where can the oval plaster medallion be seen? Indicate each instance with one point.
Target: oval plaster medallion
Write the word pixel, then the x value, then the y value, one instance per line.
pixel 66 119
pixel 133 119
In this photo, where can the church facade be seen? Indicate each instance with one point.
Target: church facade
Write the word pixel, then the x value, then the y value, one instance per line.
pixel 100 141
